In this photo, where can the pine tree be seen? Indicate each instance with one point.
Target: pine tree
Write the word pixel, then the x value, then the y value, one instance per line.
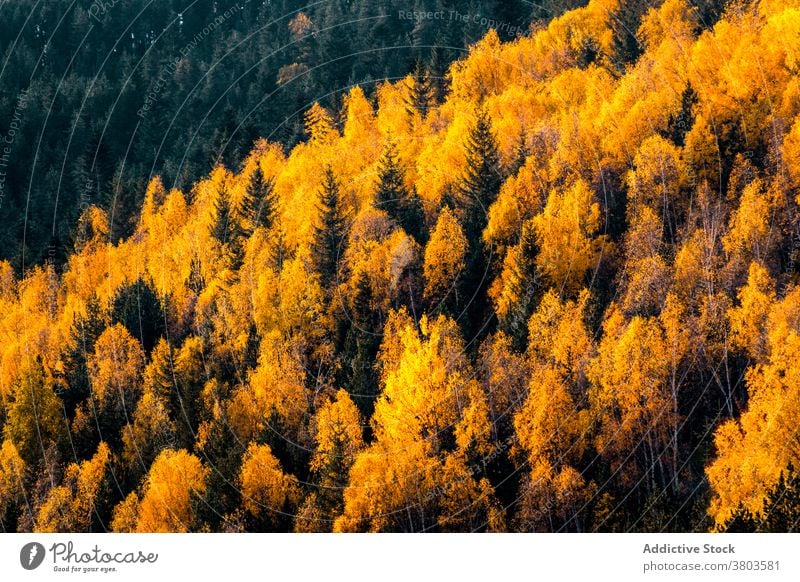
pixel 392 195
pixel 679 124
pixel 625 21
pixel 83 334
pixel 226 142
pixel 196 282
pixel 511 13
pixel 259 203
pixel 335 42
pixel 227 230
pixel 421 96
pixel 137 307
pixel 331 231
pixel 224 221
pixel 521 154
pixel 360 347
pixel 781 513
pixel 524 286
pixel 249 205
pixel 742 521
pixel 361 310
pixel 482 178
pixel 99 166
pixel 278 251
pixel 412 217
pixel 423 35
pixel 438 72
pixel 479 189
pixel 392 191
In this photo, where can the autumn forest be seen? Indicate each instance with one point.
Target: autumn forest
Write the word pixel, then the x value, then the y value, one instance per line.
pixel 553 286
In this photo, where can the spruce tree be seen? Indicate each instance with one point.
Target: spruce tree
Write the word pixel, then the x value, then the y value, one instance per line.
pixel 335 42
pixel 412 217
pixel 482 178
pixel 478 190
pixel 259 203
pixel 438 72
pixel 741 521
pixel 83 334
pixel 392 195
pixel 223 221
pixel 781 513
pixel 136 306
pixel 680 123
pixel 227 230
pixel 360 347
pixel 331 231
pixel 524 286
pixel 422 94
pixel 278 251
pixel 392 191
pixel 227 140
pixel 521 154
pixel 196 281
pixel 625 21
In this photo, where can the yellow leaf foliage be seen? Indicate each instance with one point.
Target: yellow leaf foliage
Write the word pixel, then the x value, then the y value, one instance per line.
pixel 749 319
pixel 12 472
pixel 338 432
pixel 116 367
pixel 566 232
pixel 445 257
pixel 265 487
pixel 71 507
pixel 754 449
pixel 174 480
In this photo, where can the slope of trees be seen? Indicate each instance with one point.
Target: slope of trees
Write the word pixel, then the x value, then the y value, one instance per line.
pixel 562 296
pixel 97 97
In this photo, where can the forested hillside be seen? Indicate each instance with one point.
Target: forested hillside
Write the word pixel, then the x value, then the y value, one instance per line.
pixel 119 91
pixel 558 292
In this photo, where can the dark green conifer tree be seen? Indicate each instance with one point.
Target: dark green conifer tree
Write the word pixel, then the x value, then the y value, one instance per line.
pixel 330 233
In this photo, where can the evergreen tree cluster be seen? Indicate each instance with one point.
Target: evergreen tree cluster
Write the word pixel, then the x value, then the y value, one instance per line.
pixel 118 93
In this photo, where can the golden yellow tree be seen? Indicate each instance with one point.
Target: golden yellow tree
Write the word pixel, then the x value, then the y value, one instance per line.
pixel 753 449
pixel 566 231
pixel 12 485
pixel 749 319
pixel 72 507
pixel 35 421
pixel 445 258
pixel 410 478
pixel 338 436
pixel 647 273
pixel 275 390
pixel 115 369
pixel 267 492
pixel 176 481
pixel 151 431
pixel 551 427
pixel 631 397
